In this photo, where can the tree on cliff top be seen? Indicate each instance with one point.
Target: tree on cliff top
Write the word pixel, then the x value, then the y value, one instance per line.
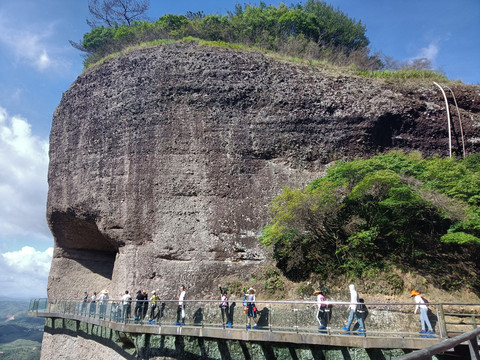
pixel 111 12
pixel 314 30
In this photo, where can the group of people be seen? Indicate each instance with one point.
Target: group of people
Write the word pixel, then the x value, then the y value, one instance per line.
pixel 123 310
pixel 357 309
pixel 101 299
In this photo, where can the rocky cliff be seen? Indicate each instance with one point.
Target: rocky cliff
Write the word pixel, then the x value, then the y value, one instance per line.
pixel 163 160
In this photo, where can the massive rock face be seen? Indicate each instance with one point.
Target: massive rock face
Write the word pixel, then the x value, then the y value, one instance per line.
pixel 163 160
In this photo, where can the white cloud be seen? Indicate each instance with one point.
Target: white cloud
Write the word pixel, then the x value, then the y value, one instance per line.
pixel 430 52
pixel 24 273
pixel 29 261
pixel 28 45
pixel 23 179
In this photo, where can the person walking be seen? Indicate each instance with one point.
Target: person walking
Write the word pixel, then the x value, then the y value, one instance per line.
pixel 181 307
pixel 127 306
pixel 153 306
pixel 421 304
pixel 138 305
pixel 103 299
pixel 322 311
pixel 251 308
pixel 85 302
pixel 145 304
pixel 352 308
pixel 224 307
pixel 93 304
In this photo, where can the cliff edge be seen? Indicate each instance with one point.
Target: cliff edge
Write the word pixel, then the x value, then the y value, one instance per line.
pixel 163 160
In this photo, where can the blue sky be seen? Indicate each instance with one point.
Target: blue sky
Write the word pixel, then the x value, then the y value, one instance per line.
pixel 37 64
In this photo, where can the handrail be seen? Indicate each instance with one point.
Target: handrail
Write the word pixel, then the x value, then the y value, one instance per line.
pixel 392 325
pixel 266 301
pixel 446 345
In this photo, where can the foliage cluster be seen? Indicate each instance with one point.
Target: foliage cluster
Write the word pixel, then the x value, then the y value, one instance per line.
pixel 314 30
pixel 404 74
pixel 393 209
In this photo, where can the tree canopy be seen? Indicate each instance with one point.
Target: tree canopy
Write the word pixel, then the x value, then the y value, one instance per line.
pixel 391 210
pixel 315 30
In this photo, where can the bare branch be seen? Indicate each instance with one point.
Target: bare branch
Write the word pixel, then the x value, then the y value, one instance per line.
pixel 111 12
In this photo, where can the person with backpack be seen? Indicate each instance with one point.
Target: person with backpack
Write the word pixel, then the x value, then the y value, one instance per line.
pixel 421 303
pixel 352 308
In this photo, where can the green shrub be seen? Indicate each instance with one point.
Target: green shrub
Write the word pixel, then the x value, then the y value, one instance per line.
pixel 367 215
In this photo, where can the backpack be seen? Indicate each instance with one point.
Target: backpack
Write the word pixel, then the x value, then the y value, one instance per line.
pixel 361 307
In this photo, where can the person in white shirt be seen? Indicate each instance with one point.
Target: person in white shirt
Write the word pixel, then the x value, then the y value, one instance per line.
pixel 425 322
pixel 353 312
pixel 103 299
pixel 127 306
pixel 181 307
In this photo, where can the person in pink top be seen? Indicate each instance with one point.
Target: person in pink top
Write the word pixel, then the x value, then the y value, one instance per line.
pixel 321 310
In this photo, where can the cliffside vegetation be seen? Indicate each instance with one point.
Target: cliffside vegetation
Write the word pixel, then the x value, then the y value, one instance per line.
pixel 392 211
pixel 314 30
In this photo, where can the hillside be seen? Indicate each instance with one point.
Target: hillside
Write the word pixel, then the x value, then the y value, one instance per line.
pixel 20 335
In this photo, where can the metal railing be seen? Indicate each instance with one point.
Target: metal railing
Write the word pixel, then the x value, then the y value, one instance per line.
pixel 382 319
pixel 471 337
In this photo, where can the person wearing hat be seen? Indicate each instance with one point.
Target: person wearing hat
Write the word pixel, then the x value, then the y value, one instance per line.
pixel 103 299
pixel 251 308
pixel 321 311
pixel 421 304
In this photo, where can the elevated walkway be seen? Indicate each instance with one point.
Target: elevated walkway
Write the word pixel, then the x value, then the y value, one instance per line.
pixel 388 326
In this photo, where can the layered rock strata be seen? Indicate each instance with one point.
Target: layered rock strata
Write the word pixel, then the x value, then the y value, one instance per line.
pixel 163 160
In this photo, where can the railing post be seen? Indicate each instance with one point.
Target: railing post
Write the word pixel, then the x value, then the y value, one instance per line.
pixel 295 310
pixel 473 347
pixel 270 312
pixel 441 320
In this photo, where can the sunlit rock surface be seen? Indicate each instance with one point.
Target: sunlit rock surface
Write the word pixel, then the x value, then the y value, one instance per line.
pixel 163 161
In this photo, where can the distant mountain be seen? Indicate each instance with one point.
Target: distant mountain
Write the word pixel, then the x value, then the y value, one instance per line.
pixel 20 335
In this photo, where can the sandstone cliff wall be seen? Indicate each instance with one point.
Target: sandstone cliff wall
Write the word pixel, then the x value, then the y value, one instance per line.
pixel 163 160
